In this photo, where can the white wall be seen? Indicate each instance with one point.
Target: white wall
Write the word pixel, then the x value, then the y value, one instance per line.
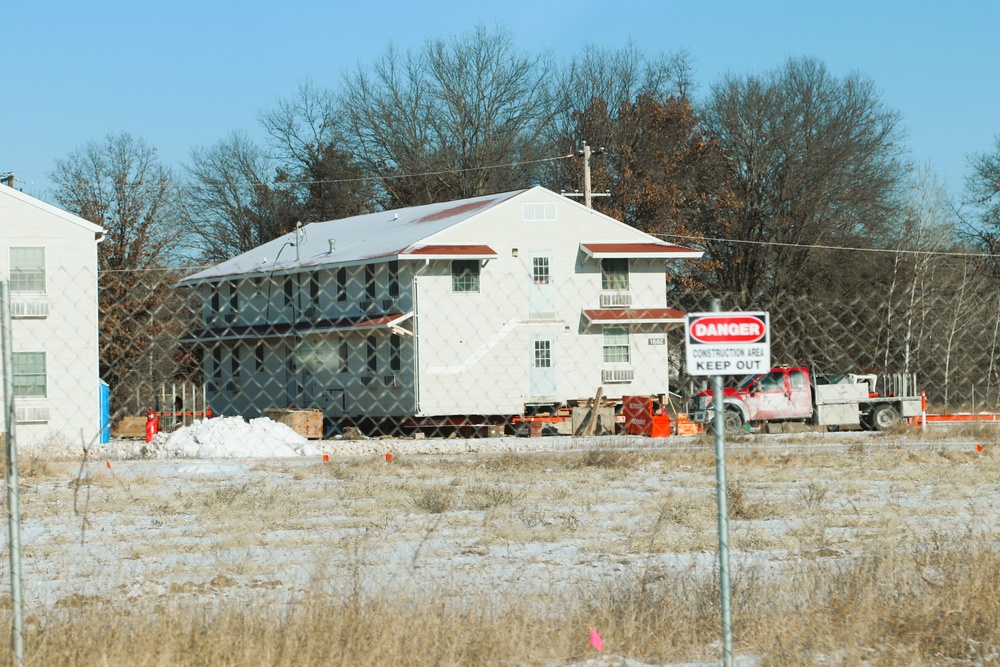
pixel 68 335
pixel 476 349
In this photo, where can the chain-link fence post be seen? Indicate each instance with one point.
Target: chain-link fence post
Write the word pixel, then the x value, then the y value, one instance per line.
pixel 13 505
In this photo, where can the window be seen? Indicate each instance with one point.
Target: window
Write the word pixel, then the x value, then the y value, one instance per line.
pixel 235 363
pixel 616 346
pixel 797 379
pixel 543 354
pixel 234 297
pixel 614 273
pixel 394 278
pixel 217 362
pixel 314 290
pixel 258 358
pixel 465 275
pixel 772 381
pixel 289 292
pixel 215 298
pixel 372 357
pixel 395 356
pixel 341 284
pixel 540 270
pixel 538 212
pixel 344 356
pixel 29 374
pixel 370 281
pixel 27 269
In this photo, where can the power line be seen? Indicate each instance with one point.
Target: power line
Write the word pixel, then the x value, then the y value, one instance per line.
pixel 817 246
pixel 383 177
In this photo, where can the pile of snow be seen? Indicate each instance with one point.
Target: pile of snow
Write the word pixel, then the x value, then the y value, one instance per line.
pixel 232 437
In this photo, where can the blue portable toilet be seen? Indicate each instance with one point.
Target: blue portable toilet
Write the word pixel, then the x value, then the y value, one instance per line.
pixel 105 436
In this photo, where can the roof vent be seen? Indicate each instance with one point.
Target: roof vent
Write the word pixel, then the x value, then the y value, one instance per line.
pixel 333 245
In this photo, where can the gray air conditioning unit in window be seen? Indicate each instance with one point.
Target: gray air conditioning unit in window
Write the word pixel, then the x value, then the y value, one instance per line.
pixel 390 380
pixel 617 375
pixel 28 309
pixel 616 300
pixel 232 386
pixel 31 414
pixel 388 304
pixel 367 304
pixel 368 380
pixel 312 312
pixel 230 318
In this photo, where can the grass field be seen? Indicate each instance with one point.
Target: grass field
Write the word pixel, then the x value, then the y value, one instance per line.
pixel 880 551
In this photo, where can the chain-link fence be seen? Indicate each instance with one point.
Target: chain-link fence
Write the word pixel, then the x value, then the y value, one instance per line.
pixel 441 344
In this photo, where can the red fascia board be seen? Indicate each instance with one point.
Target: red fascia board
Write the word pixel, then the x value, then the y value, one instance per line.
pixel 613 250
pixel 448 251
pixel 634 315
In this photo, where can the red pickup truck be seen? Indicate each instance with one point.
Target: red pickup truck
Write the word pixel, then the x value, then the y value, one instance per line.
pixel 792 394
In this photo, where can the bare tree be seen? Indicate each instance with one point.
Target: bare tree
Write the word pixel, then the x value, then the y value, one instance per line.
pixel 120 183
pixel 982 190
pixel 236 199
pixel 815 159
pixel 434 124
pixel 309 147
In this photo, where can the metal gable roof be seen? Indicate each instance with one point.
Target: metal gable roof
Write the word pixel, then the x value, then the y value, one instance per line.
pixel 352 240
pixel 53 210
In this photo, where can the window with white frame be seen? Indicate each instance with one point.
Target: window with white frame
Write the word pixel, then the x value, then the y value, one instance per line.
pixel 538 212
pixel 616 346
pixel 540 270
pixel 29 374
pixel 614 273
pixel 543 353
pixel 465 275
pixel 27 269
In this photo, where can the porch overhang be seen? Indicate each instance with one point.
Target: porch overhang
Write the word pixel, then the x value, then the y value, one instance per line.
pixel 390 322
pixel 639 250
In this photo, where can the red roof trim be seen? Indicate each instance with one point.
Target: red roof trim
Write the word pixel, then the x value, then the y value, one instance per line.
pixel 636 249
pixel 476 250
pixel 634 315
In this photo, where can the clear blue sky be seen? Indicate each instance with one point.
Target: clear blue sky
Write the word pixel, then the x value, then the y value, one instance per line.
pixel 186 73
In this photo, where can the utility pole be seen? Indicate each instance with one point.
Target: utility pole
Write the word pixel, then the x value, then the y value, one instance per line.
pixel 587 194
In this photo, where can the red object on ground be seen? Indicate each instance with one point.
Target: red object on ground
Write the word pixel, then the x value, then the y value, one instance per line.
pixel 388 458
pixel 152 428
pixel 640 420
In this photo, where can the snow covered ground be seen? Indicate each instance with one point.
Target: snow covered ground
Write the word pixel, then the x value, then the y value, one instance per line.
pixel 228 509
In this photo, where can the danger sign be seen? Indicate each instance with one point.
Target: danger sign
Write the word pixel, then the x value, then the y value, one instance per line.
pixel 728 343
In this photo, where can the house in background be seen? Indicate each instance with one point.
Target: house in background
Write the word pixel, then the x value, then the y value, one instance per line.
pixel 49 258
pixel 478 308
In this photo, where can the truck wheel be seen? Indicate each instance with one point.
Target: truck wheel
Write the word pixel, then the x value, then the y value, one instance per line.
pixel 884 417
pixel 733 421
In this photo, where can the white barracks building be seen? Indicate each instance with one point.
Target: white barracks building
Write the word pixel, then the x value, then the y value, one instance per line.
pixel 477 307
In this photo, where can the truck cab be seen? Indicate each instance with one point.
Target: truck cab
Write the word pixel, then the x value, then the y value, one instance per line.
pixel 780 394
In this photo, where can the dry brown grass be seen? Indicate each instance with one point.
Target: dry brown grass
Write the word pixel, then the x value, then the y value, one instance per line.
pixel 935 602
pixel 879 555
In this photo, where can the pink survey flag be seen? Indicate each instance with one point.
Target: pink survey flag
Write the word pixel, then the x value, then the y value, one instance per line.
pixel 596 641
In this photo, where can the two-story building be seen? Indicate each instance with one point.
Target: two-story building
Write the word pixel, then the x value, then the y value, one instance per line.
pixel 475 307
pixel 49 258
